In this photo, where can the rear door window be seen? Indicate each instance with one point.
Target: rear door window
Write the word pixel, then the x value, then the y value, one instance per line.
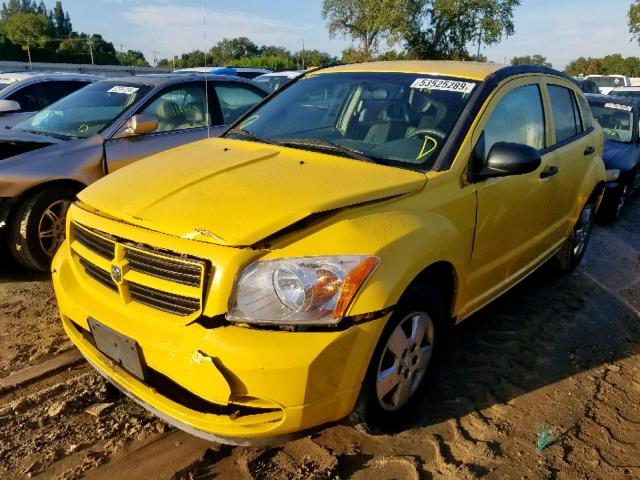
pixel 566 121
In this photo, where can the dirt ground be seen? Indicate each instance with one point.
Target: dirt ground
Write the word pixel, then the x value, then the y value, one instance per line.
pixel 560 353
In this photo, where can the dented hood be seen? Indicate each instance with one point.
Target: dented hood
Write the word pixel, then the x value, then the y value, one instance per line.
pixel 236 193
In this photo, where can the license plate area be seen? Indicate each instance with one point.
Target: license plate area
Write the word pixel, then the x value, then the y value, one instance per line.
pixel 119 348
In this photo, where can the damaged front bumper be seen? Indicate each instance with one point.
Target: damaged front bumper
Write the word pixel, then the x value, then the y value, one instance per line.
pixel 230 383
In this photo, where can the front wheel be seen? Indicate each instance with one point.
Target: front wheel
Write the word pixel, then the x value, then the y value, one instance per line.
pixel 572 251
pixel 37 226
pixel 613 204
pixel 400 366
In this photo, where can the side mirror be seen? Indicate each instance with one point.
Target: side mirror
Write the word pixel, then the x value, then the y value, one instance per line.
pixel 506 159
pixel 141 124
pixel 7 106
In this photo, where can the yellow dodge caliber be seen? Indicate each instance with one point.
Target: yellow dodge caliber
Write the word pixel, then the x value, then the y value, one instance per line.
pixel 305 265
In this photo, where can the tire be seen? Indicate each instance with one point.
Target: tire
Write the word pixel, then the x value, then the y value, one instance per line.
pixel 572 251
pixel 41 214
pixel 613 204
pixel 378 410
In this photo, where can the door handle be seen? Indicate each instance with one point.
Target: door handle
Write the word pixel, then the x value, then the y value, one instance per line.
pixel 589 151
pixel 549 172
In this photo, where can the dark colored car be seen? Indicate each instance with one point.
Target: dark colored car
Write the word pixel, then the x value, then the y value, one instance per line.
pixel 587 85
pixel 47 160
pixel 619 118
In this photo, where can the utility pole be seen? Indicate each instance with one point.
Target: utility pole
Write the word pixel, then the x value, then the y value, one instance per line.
pixel 173 59
pixel 91 50
pixel 302 54
pixel 28 49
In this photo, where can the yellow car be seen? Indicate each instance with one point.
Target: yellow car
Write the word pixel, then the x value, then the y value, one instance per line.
pixel 305 265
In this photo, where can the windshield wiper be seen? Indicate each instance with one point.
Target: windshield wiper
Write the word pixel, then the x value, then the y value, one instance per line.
pixel 318 144
pixel 247 134
pixel 48 134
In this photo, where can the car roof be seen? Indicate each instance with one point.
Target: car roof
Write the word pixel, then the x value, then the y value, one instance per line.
pixel 162 79
pixel 470 70
pixel 612 98
pixel 284 73
pixel 20 76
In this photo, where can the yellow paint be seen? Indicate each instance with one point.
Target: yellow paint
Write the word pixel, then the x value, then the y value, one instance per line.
pixel 239 192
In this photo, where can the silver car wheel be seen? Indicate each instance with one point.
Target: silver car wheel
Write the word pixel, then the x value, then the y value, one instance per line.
pixel 51 228
pixel 582 230
pixel 404 360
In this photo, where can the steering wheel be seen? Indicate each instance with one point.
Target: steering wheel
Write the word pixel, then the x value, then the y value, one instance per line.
pixel 83 128
pixel 430 132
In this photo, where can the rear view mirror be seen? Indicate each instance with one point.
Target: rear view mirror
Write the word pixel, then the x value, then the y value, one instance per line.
pixel 7 106
pixel 506 159
pixel 141 124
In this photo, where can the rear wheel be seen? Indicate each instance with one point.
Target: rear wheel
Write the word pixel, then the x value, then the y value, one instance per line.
pixel 400 366
pixel 614 203
pixel 573 249
pixel 37 226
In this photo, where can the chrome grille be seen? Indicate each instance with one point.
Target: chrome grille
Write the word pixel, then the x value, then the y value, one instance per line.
pixel 97 244
pixel 99 275
pixel 165 301
pixel 179 271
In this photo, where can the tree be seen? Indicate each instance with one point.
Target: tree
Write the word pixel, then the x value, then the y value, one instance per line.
pixel 367 22
pixel 132 58
pixel 531 60
pixel 634 20
pixel 61 21
pixel 27 29
pixel 15 7
pixel 444 28
pixel 232 48
pixel 76 50
pixel 314 58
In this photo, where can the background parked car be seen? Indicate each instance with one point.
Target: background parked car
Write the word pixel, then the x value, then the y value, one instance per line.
pixel 243 72
pixel 274 80
pixel 587 85
pixel 24 94
pixel 629 92
pixel 606 83
pixel 619 119
pixel 94 131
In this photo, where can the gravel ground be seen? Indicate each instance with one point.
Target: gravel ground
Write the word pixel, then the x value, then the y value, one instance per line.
pixel 560 353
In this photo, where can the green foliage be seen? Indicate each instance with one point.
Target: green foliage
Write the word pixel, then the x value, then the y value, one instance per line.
pixel 51 38
pixel 614 64
pixel 367 22
pixel 531 60
pixel 242 52
pixel 27 29
pixel 634 20
pixel 444 28
pixel 133 58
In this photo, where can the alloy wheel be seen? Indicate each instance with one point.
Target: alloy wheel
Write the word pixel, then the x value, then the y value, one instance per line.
pixel 404 360
pixel 622 201
pixel 51 228
pixel 582 231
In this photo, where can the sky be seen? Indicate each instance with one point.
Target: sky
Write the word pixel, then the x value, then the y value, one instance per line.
pixel 560 30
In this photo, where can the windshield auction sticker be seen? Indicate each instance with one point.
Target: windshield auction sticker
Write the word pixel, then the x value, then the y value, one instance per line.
pixel 443 85
pixel 617 106
pixel 121 89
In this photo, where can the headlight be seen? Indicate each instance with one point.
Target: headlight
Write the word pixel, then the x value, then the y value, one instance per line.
pixel 299 291
pixel 613 175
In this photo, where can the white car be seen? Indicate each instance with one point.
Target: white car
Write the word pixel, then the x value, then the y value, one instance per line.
pixel 631 92
pixel 23 94
pixel 606 83
pixel 274 80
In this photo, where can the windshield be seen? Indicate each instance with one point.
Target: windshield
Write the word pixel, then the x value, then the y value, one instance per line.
pixel 394 118
pixel 626 93
pixel 87 111
pixel 607 82
pixel 616 121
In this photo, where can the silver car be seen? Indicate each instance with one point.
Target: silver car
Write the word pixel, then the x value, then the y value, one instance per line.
pixel 23 94
pixel 46 160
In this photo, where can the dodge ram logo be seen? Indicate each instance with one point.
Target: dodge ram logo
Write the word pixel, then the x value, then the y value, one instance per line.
pixel 116 274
